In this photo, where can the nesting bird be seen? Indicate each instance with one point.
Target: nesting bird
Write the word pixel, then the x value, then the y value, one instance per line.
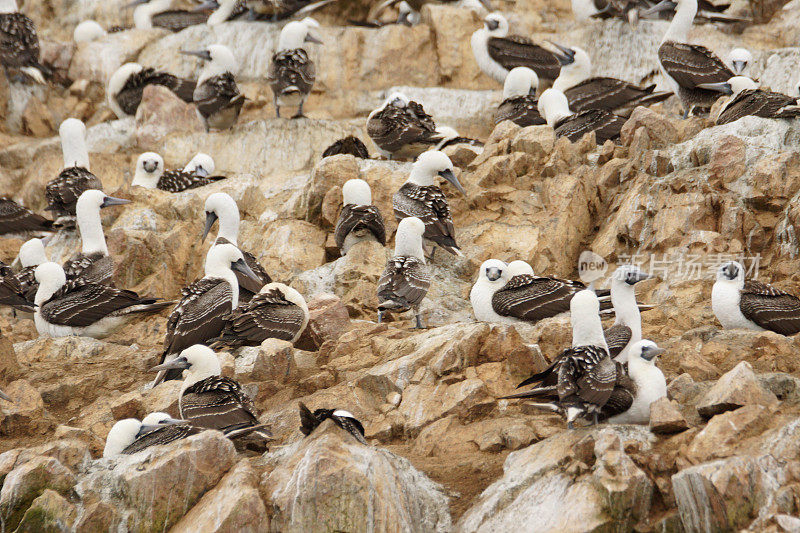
pixel 150 174
pixel 749 100
pixel 201 165
pixel 401 128
pixel 19 43
pixel 159 14
pixel 126 85
pixel 554 107
pixel 520 104
pixel 309 421
pixel 406 279
pixel 420 197
pixel 129 436
pixel 216 94
pixel 627 328
pixel 359 220
pixel 291 72
pixel 751 304
pixel 637 386
pixel 19 220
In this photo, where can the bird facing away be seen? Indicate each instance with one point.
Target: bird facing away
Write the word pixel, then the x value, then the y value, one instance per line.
pixel 739 59
pixel 401 129
pixel 520 104
pixel 631 404
pixel 129 436
pixel 126 85
pixel 627 328
pixel 93 263
pixel 19 220
pixel 19 43
pixel 751 304
pixel 749 100
pixel 406 279
pixel 208 400
pixel 216 94
pixel 420 197
pixel 553 106
pixel 291 73
pixel 359 220
pixel 276 312
pixel 450 137
pixel 309 421
pixel 77 307
pixel 150 174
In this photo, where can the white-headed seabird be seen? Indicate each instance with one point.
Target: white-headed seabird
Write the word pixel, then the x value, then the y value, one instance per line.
pixel 77 307
pixel 62 193
pixel 208 400
pixel 497 52
pixel 420 197
pixel 749 100
pixel 125 87
pixel 19 43
pixel 17 219
pixel 11 292
pixel 401 128
pixel 159 14
pixel 520 104
pixel 87 31
pixel 739 58
pixel 276 312
pixel 359 220
pixel 554 107
pixel 93 263
pixel 638 386
pixel 627 327
pixel 584 91
pixel 752 304
pixel 220 206
pixel 216 95
pixel 291 72
pixel 206 304
pixel 406 279
pixel 150 173
pixel 348 145
pixel 519 267
pixel 129 436
pixel 201 164
pixel 309 421
pixel 693 71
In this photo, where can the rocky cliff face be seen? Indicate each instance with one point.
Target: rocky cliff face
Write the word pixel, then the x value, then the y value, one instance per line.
pixel 721 453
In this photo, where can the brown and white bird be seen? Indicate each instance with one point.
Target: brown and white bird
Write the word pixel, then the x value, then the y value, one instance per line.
pixel 126 85
pixel 749 100
pixel 520 104
pixel 554 107
pixel 422 198
pixel 401 129
pixel 216 94
pixel 16 219
pixel 130 436
pixel 160 14
pixel 359 220
pixel 406 279
pixel 150 174
pixel 282 9
pixel 291 72
pixel 309 421
pixel 19 43
pixel 627 328
pixel 11 291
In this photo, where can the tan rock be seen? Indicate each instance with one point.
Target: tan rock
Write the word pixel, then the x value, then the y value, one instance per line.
pixel 162 113
pixel 665 417
pixel 329 173
pixel 725 432
pixel 9 367
pixel 660 131
pixel 128 406
pixel 728 160
pixel 275 361
pixel 27 482
pixel 328 319
pixel 37 120
pixel 736 388
pixel 26 414
pixel 49 512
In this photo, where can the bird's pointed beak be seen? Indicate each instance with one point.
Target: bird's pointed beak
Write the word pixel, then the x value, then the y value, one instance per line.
pixel 201 172
pixel 147 428
pixel 493 273
pixel 641 275
pixel 135 3
pixel 738 66
pixel 311 39
pixel 150 166
pixel 651 353
pixel 241 266
pixel 211 217
pixel 450 176
pixel 179 363
pixel 208 5
pixel 565 55
pixel 664 5
pixel 721 87
pixel 6 397
pixel 110 201
pixel 205 55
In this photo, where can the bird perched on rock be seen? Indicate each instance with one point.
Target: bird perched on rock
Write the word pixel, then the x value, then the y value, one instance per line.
pixel 150 174
pixel 751 304
pixel 276 312
pixel 344 419
pixel 749 100
pixel 359 220
pixel 638 386
pixel 420 197
pixel 19 43
pixel 553 106
pixel 62 193
pixel 627 328
pixel 159 14
pixel 497 52
pixel 78 307
pixel 406 279
pixel 208 400
pixel 520 104
pixel 19 220
pixel 291 72
pixel 130 435
pixel 401 128
pixel 126 85
pixel 216 95
pixel 348 145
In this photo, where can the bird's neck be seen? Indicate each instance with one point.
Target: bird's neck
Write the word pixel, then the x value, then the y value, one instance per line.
pixel 681 23
pixel 222 13
pixel 145 179
pixel 626 310
pixel 588 331
pixel 73 148
pixel 91 229
pixel 406 246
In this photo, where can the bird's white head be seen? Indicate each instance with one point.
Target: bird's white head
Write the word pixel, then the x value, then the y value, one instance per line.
pixel 51 278
pixel 496 25
pixel 731 272
pixel 739 58
pixel 408 241
pixel 645 351
pixel 32 253
pixel 628 275
pixel 73 143
pixel 587 329
pixel 295 34
pixel 221 258
pixel 576 67
pixel 221 14
pixel 201 164
pixel 519 268
pixel 431 164
pixel 397 99
pixel 88 30
pixel 149 169
pixel 200 361
pixel 143 14
pixel 493 272
pixel 8 6
pixel 356 192
pixel 520 81
pixel 219 60
pixel 122 435
pixel 89 224
pixel 553 106
pixel 221 206
pixel 741 83
pixel 158 418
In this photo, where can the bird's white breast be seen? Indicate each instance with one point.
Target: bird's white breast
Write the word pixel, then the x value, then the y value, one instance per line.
pixel 725 298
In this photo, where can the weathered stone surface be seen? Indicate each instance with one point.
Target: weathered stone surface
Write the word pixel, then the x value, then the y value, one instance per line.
pixel 665 417
pixel 162 113
pixel 736 388
pixel 27 482
pixel 26 414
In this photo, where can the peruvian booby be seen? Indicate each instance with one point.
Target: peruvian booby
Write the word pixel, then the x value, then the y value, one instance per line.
pixel 420 197
pixel 751 304
pixel 638 386
pixel 11 292
pixel 276 312
pixel 158 14
pixel 220 206
pixel 520 104
pixel 497 52
pixel 78 307
pixel 31 255
pixel 584 91
pixel 309 421
pixel 554 107
pixel 739 59
pixel 359 220
pixel 749 100
pixel 450 137
pixel 129 436
pixel 693 72
pixel 581 380
pixel 150 174
pixel 202 165
pixel 208 400
pixel 283 9
pixel 19 43
pixel 126 85
pixel 627 328
pixel 93 263
pixel 206 304
pixel 62 193
pixel 216 95
pixel 401 128
pixel 348 145
pixel 87 31
pixel 291 72
pixel 17 219
pixel 406 279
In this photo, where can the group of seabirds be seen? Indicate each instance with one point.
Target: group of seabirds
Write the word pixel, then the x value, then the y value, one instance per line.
pixel 605 375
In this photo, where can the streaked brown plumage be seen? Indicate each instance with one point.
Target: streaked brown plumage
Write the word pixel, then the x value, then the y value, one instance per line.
pixel 612 94
pixel 62 193
pixel 533 298
pixel 770 308
pixel 130 96
pixel 517 51
pixel 310 421
pixel 605 125
pixel 348 145
pixel 690 66
pixel 759 103
pixel 361 220
pixel 15 218
pixel 521 110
